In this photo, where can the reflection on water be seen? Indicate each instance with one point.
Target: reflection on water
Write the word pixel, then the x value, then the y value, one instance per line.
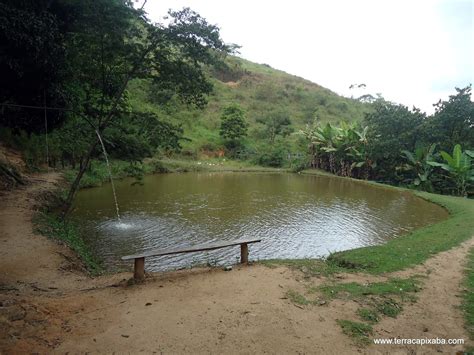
pixel 297 216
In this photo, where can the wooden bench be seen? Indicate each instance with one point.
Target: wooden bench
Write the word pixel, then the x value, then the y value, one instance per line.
pixel 139 268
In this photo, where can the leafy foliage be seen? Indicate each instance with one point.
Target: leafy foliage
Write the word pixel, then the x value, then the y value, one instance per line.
pixel 233 123
pixel 341 150
pixel 275 123
pixel 459 166
pixel 31 62
pixel 419 164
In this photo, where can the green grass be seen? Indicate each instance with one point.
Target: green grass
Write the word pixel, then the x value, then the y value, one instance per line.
pixel 368 315
pixel 98 173
pixel 185 165
pixel 359 332
pixel 53 227
pixel 258 89
pixel 309 267
pixel 297 298
pixel 378 299
pixel 468 303
pixel 417 246
pixel 388 307
pixel 353 290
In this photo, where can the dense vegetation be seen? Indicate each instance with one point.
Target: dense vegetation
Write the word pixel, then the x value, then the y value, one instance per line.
pixel 395 145
pixel 173 91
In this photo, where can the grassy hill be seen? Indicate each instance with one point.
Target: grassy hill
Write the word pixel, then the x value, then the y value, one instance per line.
pixel 259 90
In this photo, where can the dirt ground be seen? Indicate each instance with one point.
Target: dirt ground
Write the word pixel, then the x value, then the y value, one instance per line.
pixel 48 304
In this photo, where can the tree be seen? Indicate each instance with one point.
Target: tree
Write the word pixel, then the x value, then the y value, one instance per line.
pixel 392 128
pixel 276 123
pixel 31 60
pixel 233 123
pixel 111 43
pixel 453 121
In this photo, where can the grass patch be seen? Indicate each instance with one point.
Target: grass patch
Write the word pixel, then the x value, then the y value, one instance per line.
pixel 353 290
pixel 52 226
pixel 468 303
pixel 417 246
pixel 368 315
pixel 309 267
pixel 359 332
pixel 297 298
pixel 212 164
pixel 389 307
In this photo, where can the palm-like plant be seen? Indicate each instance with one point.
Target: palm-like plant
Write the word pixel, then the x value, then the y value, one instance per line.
pixel 459 166
pixel 338 149
pixel 419 163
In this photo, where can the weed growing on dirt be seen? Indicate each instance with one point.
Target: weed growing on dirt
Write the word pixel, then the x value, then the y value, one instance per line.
pixel 353 290
pixel 359 332
pixel 369 315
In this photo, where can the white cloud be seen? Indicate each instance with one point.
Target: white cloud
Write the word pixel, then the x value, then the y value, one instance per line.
pixel 413 52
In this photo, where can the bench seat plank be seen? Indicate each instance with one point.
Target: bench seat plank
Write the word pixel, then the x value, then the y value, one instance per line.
pixel 189 249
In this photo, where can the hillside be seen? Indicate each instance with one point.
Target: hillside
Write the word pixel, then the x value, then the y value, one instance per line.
pixel 259 90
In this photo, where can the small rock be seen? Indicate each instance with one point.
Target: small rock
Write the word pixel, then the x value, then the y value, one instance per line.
pixel 321 303
pixel 425 329
pixel 148 304
pixel 228 268
pixel 125 336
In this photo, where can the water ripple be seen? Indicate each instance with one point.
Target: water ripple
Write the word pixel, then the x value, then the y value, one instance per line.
pixel 296 216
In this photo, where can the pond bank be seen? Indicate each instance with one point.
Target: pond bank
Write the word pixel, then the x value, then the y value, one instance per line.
pixel 51 305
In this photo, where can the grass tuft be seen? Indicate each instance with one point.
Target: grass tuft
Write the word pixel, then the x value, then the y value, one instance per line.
pixel 353 290
pixel 309 267
pixel 359 332
pixel 297 298
pixel 368 315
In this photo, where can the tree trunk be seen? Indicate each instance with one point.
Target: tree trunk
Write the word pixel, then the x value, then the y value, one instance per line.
pixel 75 185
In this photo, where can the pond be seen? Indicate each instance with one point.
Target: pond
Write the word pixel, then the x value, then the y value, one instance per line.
pixel 297 216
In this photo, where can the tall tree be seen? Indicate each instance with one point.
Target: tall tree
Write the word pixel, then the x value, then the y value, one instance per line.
pixel 233 123
pixel 392 128
pixel 31 60
pixel 276 123
pixel 453 121
pixel 112 43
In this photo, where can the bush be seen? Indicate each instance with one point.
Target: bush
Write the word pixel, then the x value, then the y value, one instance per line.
pixel 158 167
pixel 298 165
pixel 273 157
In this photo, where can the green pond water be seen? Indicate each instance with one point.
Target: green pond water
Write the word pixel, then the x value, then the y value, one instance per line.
pixel 297 216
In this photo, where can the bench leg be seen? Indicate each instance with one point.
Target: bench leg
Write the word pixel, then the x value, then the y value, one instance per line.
pixel 244 253
pixel 139 270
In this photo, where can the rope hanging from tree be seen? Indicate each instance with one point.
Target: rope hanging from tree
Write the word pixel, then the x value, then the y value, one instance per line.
pixel 46 129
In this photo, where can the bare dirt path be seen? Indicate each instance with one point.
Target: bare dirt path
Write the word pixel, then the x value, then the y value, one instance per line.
pixel 46 306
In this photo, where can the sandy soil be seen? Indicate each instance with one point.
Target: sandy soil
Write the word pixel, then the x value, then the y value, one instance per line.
pixel 48 305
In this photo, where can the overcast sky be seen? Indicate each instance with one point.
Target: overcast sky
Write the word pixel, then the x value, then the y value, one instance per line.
pixel 413 52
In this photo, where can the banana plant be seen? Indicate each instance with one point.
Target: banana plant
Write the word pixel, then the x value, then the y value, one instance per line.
pixel 459 166
pixel 419 163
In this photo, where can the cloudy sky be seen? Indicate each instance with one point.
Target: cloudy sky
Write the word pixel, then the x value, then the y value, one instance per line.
pixel 413 52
